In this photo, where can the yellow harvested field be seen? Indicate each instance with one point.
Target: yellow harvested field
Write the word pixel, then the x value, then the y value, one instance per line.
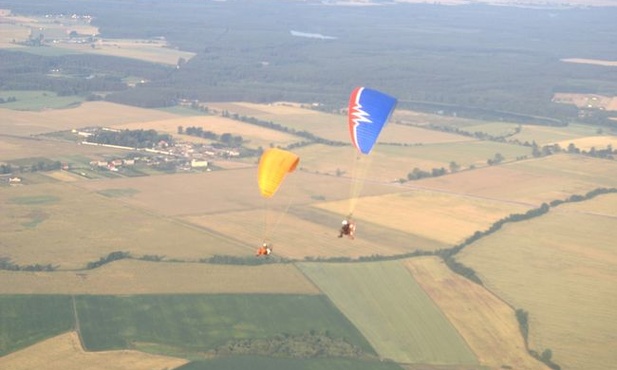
pixel 485 322
pixel 379 166
pixel 224 191
pixel 64 176
pixel 334 126
pixel 605 205
pixel 147 50
pixel 141 277
pixel 65 352
pixel 296 238
pixel 12 148
pixel 447 218
pixel 254 136
pixel 532 181
pixel 66 226
pixel 87 114
pixel 10 33
pixel 586 143
pixel 560 268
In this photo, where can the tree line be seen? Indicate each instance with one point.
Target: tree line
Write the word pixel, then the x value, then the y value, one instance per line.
pixel 130 138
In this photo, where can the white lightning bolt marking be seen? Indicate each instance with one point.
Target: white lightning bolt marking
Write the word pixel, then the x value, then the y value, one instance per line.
pixel 359 115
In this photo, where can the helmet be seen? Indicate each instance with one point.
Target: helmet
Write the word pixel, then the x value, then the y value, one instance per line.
pixel 344 222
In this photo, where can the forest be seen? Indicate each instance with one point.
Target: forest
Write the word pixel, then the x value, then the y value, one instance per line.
pixel 474 60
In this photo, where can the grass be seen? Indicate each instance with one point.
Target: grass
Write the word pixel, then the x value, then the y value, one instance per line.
pixel 198 323
pixel 561 269
pixel 118 193
pixel 38 100
pixel 386 304
pixel 29 319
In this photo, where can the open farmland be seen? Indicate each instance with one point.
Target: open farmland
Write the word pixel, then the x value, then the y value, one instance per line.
pixel 383 165
pixel 38 100
pixel 195 324
pixel 142 277
pixel 332 126
pixel 586 143
pixel 16 148
pixel 224 191
pixel 561 269
pixel 425 213
pixel 532 181
pixel 301 232
pixel 62 225
pixel 29 319
pixel 386 304
pixel 544 135
pixel 26 123
pixel 486 323
pixel 155 51
pixel 254 136
pixel 264 363
pixel 65 352
pixel 11 32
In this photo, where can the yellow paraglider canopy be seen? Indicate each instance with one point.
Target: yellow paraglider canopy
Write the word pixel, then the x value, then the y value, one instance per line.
pixel 274 165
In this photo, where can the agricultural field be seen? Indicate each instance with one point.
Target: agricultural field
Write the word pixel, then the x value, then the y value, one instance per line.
pixel 30 319
pixel 24 123
pixel 532 181
pixel 11 32
pixel 545 135
pixel 486 323
pixel 586 143
pixel 560 268
pixel 38 100
pixel 178 324
pixel 300 233
pixel 130 276
pixel 38 224
pixel 424 213
pixel 56 29
pixel 21 149
pixel 65 352
pixel 254 136
pixel 225 191
pixel 383 165
pixel 263 363
pixel 155 51
pixel 396 316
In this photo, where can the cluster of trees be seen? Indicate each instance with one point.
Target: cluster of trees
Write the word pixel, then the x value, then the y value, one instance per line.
pixel 311 344
pixel 227 139
pixel 39 165
pixel 113 256
pixel 131 138
pixel 6 264
pixel 546 356
pixel 275 126
pixel 10 99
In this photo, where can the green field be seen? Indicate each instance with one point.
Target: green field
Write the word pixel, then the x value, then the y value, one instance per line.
pixel 191 324
pixel 38 100
pixel 396 316
pixel 28 319
pixel 263 363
